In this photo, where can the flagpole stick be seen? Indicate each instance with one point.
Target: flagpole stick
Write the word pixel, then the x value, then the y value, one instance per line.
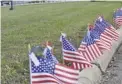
pixel 62 51
pixel 62 54
pixel 29 50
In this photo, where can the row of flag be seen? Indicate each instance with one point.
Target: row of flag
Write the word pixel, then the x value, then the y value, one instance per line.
pixel 48 70
pixel 99 37
pixel 117 17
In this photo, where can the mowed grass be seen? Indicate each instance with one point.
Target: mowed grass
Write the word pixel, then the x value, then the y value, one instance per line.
pixel 35 24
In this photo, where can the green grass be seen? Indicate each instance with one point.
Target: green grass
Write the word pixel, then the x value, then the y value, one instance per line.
pixel 38 23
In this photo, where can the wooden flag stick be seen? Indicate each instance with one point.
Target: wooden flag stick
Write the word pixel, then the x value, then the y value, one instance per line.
pixel 62 50
pixel 29 50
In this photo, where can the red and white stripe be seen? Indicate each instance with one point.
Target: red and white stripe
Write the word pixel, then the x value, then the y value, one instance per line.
pixel 82 47
pixel 112 33
pixel 115 32
pixel 93 52
pixel 72 56
pixel 82 50
pixel 118 21
pixel 102 46
pixel 79 66
pixel 66 75
pixel 106 39
pixel 77 58
pixel 44 78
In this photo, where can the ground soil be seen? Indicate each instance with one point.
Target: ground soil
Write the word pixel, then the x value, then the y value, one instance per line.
pixel 113 74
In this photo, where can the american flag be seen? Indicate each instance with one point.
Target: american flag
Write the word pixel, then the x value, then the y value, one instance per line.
pixel 96 36
pixel 100 43
pixel 91 51
pixel 72 55
pixel 104 36
pixel 108 29
pixel 43 73
pixel 117 17
pixel 48 72
pixel 48 54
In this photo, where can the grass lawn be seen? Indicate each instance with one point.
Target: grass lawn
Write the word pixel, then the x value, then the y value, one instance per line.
pixel 35 24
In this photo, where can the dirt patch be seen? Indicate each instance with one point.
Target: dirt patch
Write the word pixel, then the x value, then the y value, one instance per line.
pixel 113 74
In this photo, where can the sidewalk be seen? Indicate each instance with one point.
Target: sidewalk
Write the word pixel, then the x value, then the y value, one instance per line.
pixel 31 4
pixel 22 4
pixel 113 74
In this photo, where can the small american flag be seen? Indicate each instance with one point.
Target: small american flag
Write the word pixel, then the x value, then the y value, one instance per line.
pixel 48 72
pixel 117 17
pixel 72 55
pixel 91 51
pixel 108 29
pixel 100 43
pixel 43 73
pixel 104 36
pixel 95 33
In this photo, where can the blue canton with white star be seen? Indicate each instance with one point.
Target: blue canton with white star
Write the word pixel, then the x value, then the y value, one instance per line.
pixel 45 65
pixel 88 39
pixel 67 45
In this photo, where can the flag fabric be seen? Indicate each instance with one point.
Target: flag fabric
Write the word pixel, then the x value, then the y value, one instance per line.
pixel 44 78
pixel 66 75
pixel 100 43
pixel 33 58
pixel 108 29
pixel 45 65
pixel 97 41
pixel 48 72
pixel 117 17
pixel 91 51
pixel 80 66
pixel 48 54
pixel 118 20
pixel 69 52
pixel 100 39
pixel 72 55
pixel 43 73
pixel 103 34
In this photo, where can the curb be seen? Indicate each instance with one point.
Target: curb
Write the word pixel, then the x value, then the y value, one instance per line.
pixel 93 75
pixel 89 75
